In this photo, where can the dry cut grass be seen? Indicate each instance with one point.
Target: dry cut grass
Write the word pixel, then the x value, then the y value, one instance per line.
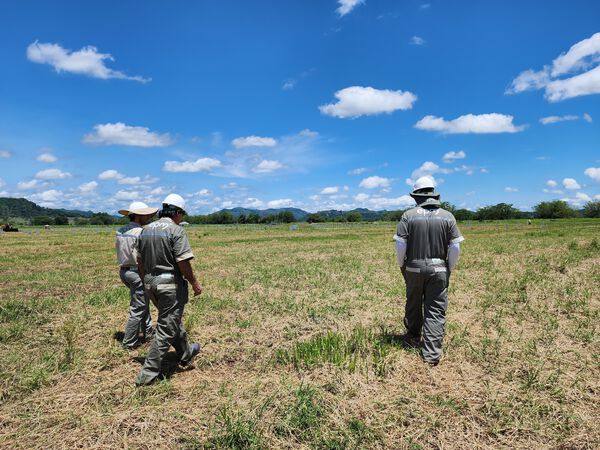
pixel 301 350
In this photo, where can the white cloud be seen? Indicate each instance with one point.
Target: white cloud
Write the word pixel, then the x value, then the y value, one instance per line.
pixel 425 6
pixel 429 168
pixel 47 157
pixel 453 156
pixel 555 119
pixel 570 183
pixel 551 183
pixel 583 197
pixel 416 40
pixel 200 165
pixel 510 189
pixel 88 187
pixel 252 202
pixel 309 133
pixel 52 174
pixel 470 123
pixel 553 191
pixel 27 185
pixel 121 134
pixel 580 57
pixel 86 61
pixel 358 171
pixel 266 166
pixel 362 197
pixel 587 117
pixel 378 202
pixel 127 195
pixel 5 154
pixel 593 173
pixel 375 182
pixel 356 101
pixel 232 185
pixel 110 174
pixel 138 180
pixel 346 6
pixel 253 141
pixel 48 196
pixel 330 190
pixel 281 203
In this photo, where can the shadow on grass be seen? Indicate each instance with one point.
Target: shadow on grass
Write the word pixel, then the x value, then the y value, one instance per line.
pixel 170 364
pixel 401 340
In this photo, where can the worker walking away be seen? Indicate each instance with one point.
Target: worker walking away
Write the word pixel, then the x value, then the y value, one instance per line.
pixel 427 249
pixel 164 256
pixel 139 308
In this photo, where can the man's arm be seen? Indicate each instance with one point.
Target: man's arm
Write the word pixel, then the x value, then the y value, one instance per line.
pixel 186 269
pixel 140 266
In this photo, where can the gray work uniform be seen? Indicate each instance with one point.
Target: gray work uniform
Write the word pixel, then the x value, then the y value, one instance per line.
pixel 161 245
pixel 428 231
pixel 139 308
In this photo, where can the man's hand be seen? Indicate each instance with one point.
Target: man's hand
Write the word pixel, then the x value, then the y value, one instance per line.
pixel 197 289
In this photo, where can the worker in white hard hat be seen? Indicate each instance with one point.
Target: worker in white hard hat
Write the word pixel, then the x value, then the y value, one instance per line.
pixel 139 321
pixel 164 256
pixel 427 249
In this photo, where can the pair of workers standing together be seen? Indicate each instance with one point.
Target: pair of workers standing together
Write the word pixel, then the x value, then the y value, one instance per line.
pixel 154 261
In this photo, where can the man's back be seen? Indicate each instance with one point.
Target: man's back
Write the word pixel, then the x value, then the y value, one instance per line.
pixel 162 244
pixel 428 232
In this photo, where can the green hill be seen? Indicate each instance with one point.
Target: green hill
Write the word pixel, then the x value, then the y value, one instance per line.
pixel 21 208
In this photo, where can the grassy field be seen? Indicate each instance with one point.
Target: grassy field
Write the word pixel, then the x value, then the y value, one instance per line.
pixel 300 332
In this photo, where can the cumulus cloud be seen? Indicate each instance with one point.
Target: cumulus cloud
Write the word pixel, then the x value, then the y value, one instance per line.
pixel 375 182
pixel 551 183
pixel 87 61
pixel 417 40
pixel 27 185
pixel 428 169
pixel 555 119
pixel 510 189
pixel 137 180
pixel 453 156
pixel 52 174
pixel 5 154
pixel 110 174
pixel 200 165
pixel 330 190
pixel 470 123
pixel 281 203
pixel 553 191
pixel 580 57
pixel 121 134
pixel 379 202
pixel 358 171
pixel 47 157
pixel 253 141
pixel 356 101
pixel 87 187
pixel 593 173
pixel 49 196
pixel 266 166
pixel 127 195
pixel 253 202
pixel 346 6
pixel 583 197
pixel 571 183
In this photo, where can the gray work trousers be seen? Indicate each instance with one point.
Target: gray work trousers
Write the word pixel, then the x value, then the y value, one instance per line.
pixel 426 305
pixel 139 308
pixel 169 292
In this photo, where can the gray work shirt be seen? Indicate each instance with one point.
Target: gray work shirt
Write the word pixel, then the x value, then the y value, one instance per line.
pixel 427 232
pixel 161 245
pixel 125 244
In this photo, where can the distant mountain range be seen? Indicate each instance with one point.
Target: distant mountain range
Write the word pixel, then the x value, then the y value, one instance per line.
pixel 21 207
pixel 302 215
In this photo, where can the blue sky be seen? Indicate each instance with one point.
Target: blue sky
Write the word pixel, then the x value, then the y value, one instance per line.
pixel 313 104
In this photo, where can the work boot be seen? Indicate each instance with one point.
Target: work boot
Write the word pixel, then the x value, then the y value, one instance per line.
pixel 195 351
pixel 410 341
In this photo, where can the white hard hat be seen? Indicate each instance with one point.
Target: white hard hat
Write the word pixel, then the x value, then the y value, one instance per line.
pixel 424 183
pixel 139 208
pixel 175 200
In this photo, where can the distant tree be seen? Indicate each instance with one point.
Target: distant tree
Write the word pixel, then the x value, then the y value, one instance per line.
pixel 101 219
pixel 393 216
pixel 448 207
pixel 253 218
pixel 354 216
pixel 592 209
pixel 242 218
pixel 42 220
pixel 286 217
pixel 501 211
pixel 464 214
pixel 315 218
pixel 61 220
pixel 556 209
pixel 79 221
